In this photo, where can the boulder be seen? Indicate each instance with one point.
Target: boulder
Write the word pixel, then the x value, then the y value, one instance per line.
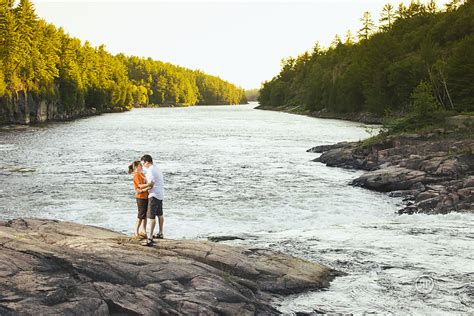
pixel 468 182
pixel 431 165
pixel 426 195
pixel 388 179
pixel 466 194
pixel 340 157
pixel 324 148
pixel 448 167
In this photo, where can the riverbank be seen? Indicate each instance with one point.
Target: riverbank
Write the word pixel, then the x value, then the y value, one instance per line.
pixel 28 111
pixel 432 169
pixel 179 105
pixel 57 267
pixel 362 117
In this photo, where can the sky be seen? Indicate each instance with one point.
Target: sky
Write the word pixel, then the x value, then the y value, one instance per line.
pixel 240 41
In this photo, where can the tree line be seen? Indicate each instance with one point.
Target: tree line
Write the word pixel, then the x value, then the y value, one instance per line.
pixel 43 61
pixel 416 50
pixel 252 94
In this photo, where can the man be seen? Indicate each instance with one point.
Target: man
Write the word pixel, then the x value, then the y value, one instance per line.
pixel 154 178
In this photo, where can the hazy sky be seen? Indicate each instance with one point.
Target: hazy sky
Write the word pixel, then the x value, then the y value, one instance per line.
pixel 240 41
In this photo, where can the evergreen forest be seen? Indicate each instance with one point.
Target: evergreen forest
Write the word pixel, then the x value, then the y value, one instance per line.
pixel 417 57
pixel 42 63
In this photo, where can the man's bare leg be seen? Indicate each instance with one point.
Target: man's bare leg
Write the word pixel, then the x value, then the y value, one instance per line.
pixel 161 221
pixel 152 228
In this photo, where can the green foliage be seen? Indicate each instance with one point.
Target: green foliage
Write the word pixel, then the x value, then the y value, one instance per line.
pixel 3 86
pixel 38 58
pixel 423 101
pixel 417 122
pixel 435 121
pixel 461 74
pixel 415 44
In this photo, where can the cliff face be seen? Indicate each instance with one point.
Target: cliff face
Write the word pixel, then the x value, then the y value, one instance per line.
pixel 50 267
pixel 23 108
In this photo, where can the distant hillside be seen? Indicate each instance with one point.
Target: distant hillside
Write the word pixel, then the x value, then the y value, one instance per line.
pixel 46 74
pixel 417 56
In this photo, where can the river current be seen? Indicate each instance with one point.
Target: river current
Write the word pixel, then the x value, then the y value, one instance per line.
pixel 244 172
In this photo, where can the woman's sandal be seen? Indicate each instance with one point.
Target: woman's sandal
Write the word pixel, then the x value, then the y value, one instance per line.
pixel 148 242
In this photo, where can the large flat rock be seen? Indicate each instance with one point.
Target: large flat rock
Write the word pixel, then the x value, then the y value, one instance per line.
pixel 51 267
pixel 391 178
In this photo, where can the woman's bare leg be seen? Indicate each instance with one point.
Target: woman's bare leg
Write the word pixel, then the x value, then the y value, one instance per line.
pixel 137 226
pixel 143 226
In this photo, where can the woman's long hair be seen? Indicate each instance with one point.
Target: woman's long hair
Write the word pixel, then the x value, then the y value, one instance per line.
pixel 133 166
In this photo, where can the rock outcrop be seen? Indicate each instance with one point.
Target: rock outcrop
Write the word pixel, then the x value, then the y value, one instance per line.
pixel 434 172
pixel 50 267
pixel 25 109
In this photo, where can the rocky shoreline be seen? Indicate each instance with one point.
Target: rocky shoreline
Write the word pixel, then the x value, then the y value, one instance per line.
pixel 52 267
pixel 362 117
pixel 434 171
pixel 26 110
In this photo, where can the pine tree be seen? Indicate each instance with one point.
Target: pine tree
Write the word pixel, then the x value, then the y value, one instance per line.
pixel 415 8
pixel 367 26
pixel 453 5
pixel 9 41
pixel 349 39
pixel 402 11
pixel 27 26
pixel 387 16
pixel 431 7
pixel 317 49
pixel 423 100
pixel 336 41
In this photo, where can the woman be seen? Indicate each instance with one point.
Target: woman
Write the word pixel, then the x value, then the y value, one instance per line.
pixel 141 196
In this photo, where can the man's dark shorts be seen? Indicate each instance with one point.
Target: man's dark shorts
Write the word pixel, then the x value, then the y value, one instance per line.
pixel 142 205
pixel 155 208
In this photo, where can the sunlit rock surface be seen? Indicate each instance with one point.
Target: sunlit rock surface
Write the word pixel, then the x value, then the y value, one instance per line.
pixel 51 267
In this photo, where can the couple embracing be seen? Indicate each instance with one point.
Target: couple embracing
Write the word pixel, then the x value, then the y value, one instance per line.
pixel 149 193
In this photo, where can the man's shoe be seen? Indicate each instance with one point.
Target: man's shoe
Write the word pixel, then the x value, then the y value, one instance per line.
pixel 148 242
pixel 158 236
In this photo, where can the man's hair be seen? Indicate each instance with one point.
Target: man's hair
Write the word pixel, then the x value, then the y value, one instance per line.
pixel 147 158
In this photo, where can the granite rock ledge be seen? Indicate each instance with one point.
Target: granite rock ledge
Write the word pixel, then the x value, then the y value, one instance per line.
pixel 52 267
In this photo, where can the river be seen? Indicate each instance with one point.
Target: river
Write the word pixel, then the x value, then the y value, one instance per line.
pixel 244 172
